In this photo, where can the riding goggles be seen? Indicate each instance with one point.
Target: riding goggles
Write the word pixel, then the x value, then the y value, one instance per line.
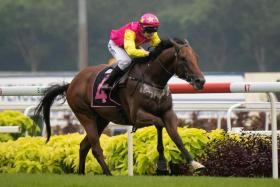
pixel 150 29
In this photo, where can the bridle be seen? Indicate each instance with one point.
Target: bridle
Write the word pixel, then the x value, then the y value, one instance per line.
pixel 176 54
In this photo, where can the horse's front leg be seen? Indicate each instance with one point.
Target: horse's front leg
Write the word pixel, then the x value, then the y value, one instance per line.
pixel 161 163
pixel 144 118
pixel 171 121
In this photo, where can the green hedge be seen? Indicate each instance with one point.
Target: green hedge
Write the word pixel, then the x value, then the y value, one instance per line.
pixel 60 155
pixel 221 153
pixel 15 118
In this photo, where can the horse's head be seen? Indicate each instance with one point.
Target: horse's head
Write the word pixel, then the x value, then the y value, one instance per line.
pixel 187 64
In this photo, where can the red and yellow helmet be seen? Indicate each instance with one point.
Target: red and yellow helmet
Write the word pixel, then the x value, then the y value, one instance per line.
pixel 149 22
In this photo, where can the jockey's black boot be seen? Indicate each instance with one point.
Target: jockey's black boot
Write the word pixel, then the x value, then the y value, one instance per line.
pixel 116 73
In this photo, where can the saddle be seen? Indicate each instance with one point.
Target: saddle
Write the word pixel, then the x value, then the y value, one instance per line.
pixel 99 97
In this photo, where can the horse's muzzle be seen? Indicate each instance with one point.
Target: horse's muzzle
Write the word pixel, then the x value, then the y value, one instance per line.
pixel 198 83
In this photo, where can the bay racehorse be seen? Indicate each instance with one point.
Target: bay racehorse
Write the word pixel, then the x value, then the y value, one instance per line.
pixel 144 98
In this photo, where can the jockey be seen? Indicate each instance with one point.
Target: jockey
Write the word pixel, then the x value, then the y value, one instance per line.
pixel 125 44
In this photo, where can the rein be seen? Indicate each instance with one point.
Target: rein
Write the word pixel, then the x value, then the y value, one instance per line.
pixel 145 82
pixel 162 66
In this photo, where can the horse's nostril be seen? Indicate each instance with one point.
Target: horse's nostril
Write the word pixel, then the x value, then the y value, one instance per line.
pixel 200 81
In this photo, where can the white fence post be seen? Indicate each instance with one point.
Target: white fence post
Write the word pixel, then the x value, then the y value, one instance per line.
pixel 130 151
pixel 274 136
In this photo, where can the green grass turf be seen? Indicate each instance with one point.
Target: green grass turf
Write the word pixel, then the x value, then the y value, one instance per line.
pixel 48 180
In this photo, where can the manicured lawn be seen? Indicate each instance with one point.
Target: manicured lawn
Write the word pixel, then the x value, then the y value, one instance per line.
pixel 48 180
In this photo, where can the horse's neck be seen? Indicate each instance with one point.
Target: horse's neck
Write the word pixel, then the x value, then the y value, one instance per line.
pixel 161 69
pixel 156 72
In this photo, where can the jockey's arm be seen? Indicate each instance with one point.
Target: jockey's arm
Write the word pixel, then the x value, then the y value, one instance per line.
pixel 129 45
pixel 155 40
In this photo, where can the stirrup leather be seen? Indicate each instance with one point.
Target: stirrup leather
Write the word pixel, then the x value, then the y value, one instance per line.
pixel 106 87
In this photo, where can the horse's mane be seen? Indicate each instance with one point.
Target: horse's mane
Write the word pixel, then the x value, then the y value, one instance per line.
pixel 164 44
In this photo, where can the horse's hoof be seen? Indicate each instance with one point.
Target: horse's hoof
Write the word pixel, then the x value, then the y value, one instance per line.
pixel 200 171
pixel 162 172
pixel 107 173
pixel 81 173
pixel 196 165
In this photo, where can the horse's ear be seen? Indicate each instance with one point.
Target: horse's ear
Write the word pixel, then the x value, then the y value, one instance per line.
pixel 175 44
pixel 187 42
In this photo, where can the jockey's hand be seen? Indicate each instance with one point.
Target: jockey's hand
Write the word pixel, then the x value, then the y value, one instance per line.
pixel 150 48
pixel 147 53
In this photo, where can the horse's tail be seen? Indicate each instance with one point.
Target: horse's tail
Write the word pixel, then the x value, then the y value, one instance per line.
pixel 45 104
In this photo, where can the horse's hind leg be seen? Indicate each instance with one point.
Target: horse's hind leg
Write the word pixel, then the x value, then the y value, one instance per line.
pixel 85 145
pixel 84 148
pixel 91 128
pixel 161 163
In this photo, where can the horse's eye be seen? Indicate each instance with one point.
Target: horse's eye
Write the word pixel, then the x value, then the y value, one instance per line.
pixel 182 58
